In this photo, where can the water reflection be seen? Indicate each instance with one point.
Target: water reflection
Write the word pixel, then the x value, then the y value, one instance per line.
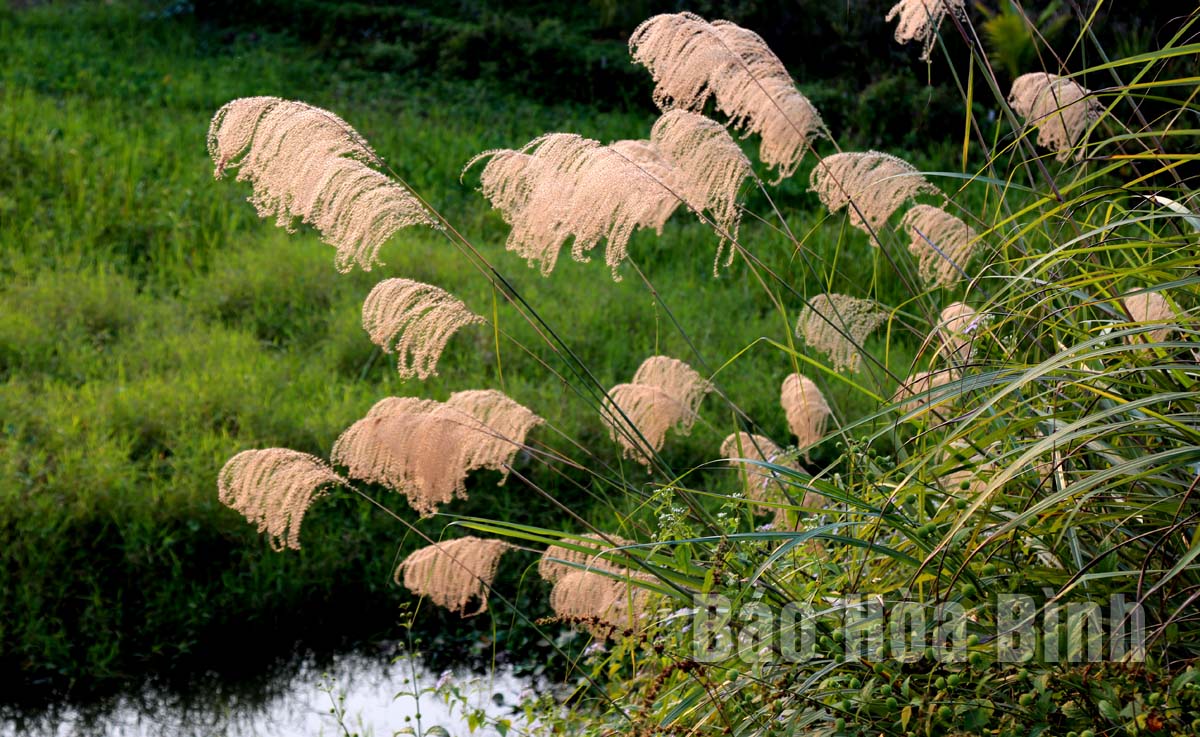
pixel 374 696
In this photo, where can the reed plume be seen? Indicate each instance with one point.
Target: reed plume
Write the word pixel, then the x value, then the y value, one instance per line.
pixel 942 243
pixel 955 332
pixel 806 409
pixel 692 60
pixel 425 449
pixel 837 325
pixel 273 488
pixel 871 185
pixel 665 394
pixel 915 393
pixel 416 321
pixel 762 484
pixel 558 561
pixel 562 186
pixel 308 164
pixel 920 19
pixel 599 603
pixel 709 170
pixel 1149 307
pixel 453 572
pixel 1059 107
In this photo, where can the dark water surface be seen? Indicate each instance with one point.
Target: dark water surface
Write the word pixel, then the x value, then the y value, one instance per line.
pixel 378 695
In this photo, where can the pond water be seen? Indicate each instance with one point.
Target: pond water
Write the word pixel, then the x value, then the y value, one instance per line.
pixel 375 695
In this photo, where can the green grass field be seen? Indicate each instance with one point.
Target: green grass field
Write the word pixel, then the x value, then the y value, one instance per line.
pixel 152 326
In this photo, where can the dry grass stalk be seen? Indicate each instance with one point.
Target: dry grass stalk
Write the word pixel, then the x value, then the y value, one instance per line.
pixel 919 20
pixel 558 561
pixel 665 394
pixel 870 185
pixel 307 163
pixel 1149 307
pixel 692 60
pixel 273 488
pixel 838 325
pixel 942 243
pixel 424 449
pixel 416 321
pixel 955 332
pixel 806 409
pixel 601 604
pixel 454 572
pixel 1061 109
pixel 761 484
pixel 709 170
pixel 917 392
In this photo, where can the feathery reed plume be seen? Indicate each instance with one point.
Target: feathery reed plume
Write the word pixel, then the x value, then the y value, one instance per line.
pixel 870 184
pixel 416 321
pixel 1060 108
pixel 560 186
pixel 919 20
pixel 307 163
pixel 942 243
pixel 599 603
pixel 273 488
pixel 761 484
pixel 453 572
pixel 665 394
pixel 710 168
pixel 424 449
pixel 916 391
pixel 1149 307
pixel 837 325
pixel 500 433
pixel 558 561
pixel 806 409
pixel 692 60
pixel 954 332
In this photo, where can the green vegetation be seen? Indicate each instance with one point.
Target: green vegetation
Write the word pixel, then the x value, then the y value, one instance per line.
pixel 153 327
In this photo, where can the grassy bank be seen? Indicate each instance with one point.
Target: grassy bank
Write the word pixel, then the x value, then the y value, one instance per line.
pixel 153 326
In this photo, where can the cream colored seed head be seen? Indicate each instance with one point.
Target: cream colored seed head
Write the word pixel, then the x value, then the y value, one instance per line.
pixel 665 394
pixel 308 164
pixel 692 60
pixel 955 332
pixel 806 409
pixel 942 243
pixel 1149 307
pixel 558 561
pixel 762 484
pixel 1061 109
pixel 870 185
pixel 273 488
pixel 599 603
pixel 838 325
pixel 919 20
pixel 416 321
pixel 424 449
pixel 454 572
pixel 710 170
